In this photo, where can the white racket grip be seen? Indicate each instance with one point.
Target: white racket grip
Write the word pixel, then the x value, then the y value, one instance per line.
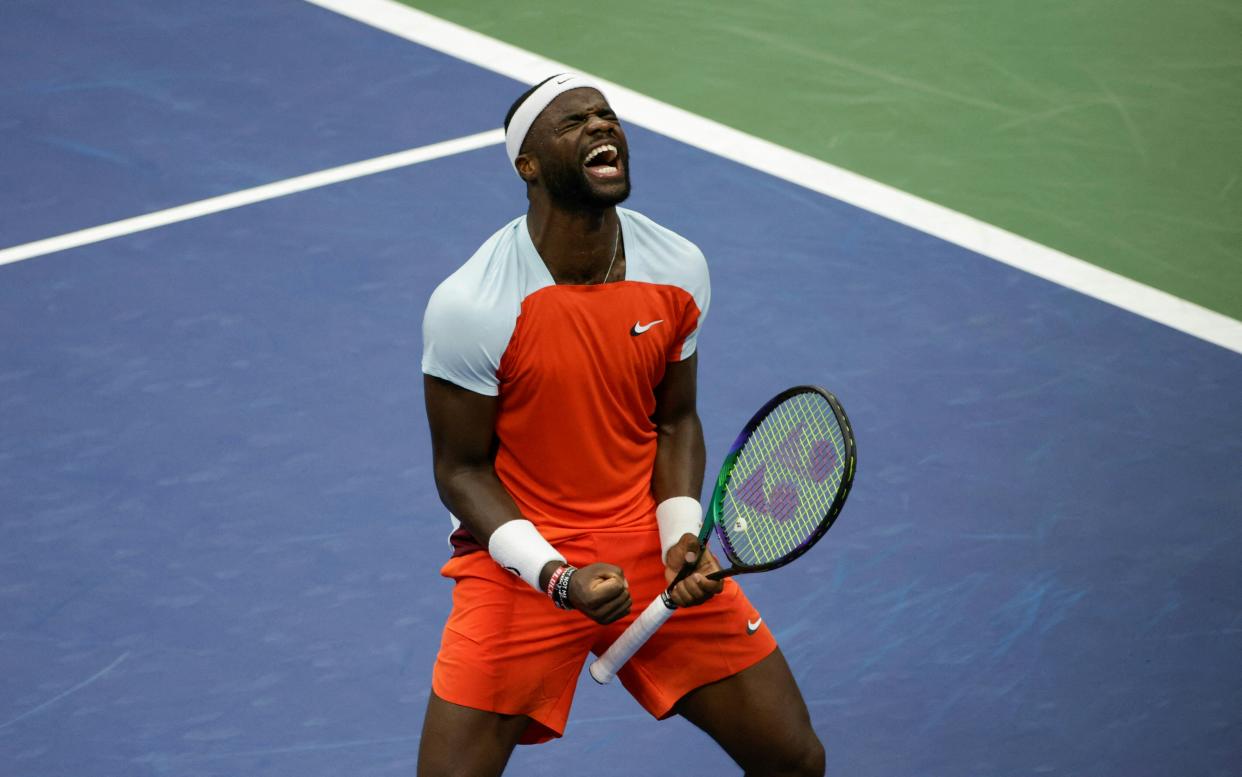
pixel 604 668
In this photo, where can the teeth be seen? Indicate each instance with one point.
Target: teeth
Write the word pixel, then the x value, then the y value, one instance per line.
pixel 599 151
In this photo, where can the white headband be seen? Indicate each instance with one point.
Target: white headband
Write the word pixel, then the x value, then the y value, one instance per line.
pixel 532 106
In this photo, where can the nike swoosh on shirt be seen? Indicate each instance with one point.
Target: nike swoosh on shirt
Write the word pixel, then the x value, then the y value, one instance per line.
pixel 753 626
pixel 639 327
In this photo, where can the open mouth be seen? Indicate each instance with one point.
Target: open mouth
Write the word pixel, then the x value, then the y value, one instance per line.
pixel 603 162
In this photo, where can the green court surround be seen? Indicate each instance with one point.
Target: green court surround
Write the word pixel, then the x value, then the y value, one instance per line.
pixel 1105 129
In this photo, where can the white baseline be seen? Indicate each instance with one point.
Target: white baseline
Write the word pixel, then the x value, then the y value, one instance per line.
pixel 814 174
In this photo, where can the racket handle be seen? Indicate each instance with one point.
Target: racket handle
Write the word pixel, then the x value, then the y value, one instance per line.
pixel 604 668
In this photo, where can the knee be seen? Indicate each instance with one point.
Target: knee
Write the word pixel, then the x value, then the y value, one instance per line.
pixel 807 759
pixel 801 758
pixel 817 761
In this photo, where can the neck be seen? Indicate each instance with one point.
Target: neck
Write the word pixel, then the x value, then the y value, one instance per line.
pixel 576 245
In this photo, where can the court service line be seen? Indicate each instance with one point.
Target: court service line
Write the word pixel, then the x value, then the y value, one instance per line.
pixel 237 199
pixel 809 172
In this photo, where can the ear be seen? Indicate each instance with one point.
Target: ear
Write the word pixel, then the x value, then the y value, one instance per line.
pixel 527 167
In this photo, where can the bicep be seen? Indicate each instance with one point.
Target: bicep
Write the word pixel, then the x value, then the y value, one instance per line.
pixel 677 393
pixel 463 425
pixel 463 440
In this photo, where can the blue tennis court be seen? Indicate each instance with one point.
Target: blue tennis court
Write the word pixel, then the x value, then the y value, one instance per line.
pixel 219 535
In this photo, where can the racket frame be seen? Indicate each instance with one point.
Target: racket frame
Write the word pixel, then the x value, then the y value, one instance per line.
pixel 715 506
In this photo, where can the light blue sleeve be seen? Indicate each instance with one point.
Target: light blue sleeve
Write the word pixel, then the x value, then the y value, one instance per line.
pixel 461 341
pixel 697 281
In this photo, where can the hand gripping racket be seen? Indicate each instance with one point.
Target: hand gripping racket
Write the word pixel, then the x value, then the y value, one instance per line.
pixel 781 486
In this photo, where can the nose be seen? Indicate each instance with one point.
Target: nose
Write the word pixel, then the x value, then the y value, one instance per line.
pixel 597 123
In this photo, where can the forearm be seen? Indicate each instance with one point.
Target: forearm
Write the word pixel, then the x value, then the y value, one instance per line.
pixel 680 458
pixel 480 501
pixel 475 495
pixel 677 482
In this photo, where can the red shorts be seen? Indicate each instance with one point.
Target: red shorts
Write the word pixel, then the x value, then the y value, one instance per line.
pixel 506 648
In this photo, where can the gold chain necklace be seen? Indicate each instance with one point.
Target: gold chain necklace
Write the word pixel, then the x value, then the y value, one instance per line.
pixel 616 242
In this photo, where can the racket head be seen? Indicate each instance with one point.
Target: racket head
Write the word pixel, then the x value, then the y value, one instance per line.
pixel 784 480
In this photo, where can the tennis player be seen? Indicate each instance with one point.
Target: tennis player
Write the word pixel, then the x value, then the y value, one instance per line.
pixel 560 383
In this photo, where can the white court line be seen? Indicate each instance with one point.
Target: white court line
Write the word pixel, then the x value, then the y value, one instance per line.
pixel 806 171
pixel 237 199
pixel 69 692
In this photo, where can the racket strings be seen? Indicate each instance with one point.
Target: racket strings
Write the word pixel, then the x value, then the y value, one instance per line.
pixel 784 481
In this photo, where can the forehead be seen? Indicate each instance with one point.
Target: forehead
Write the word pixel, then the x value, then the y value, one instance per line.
pixel 574 101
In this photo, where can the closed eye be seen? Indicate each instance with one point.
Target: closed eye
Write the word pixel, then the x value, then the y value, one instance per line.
pixel 569 122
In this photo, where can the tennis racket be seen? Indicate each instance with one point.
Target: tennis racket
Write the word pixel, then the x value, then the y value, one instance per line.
pixel 780 488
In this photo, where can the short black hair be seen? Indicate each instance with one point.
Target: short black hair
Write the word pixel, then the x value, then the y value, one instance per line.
pixel 518 102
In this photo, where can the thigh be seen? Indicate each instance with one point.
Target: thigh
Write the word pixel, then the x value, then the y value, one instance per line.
pixel 466 742
pixel 760 719
pixel 696 647
pixel 507 650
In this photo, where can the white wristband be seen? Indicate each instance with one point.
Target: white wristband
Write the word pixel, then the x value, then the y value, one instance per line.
pixel 678 516
pixel 519 547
